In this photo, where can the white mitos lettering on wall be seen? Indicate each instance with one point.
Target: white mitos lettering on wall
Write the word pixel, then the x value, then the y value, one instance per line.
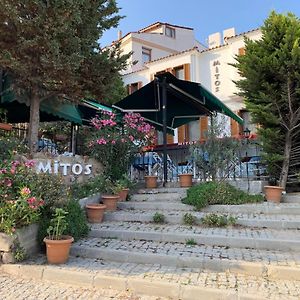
pixel 63 168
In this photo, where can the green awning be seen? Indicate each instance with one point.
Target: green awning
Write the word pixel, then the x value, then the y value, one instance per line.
pixel 186 101
pixel 51 106
pixel 97 105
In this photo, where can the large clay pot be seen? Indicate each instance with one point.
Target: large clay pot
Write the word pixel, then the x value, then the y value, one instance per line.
pixel 186 180
pixel 95 212
pixel 58 250
pixel 151 182
pixel 110 201
pixel 123 194
pixel 273 193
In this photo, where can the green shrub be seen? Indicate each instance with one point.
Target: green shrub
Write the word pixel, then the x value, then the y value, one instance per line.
pixel 93 186
pixel 51 188
pixel 10 146
pixel 215 220
pixel 190 242
pixel 214 192
pixel 189 219
pixel 76 219
pixel 159 218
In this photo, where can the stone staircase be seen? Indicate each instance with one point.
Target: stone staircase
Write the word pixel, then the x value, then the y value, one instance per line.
pixel 263 249
pixel 259 258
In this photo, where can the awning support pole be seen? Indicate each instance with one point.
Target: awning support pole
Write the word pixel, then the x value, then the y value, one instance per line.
pixel 164 112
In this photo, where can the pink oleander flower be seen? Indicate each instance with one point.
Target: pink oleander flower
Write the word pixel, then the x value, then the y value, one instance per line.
pixel 29 163
pixel 31 200
pixel 25 191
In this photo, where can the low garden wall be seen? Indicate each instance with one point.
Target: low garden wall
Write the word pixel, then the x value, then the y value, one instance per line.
pixel 253 187
pixel 23 242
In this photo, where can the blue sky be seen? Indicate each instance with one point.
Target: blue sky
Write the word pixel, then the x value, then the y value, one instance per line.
pixel 205 16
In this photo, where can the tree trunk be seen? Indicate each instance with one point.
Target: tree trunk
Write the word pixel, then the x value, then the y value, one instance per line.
pixel 286 160
pixel 34 122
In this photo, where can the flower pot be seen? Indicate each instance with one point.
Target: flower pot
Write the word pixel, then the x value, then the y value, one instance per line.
pixel 110 201
pixel 123 194
pixel 186 180
pixel 151 182
pixel 5 126
pixel 273 193
pixel 95 212
pixel 58 250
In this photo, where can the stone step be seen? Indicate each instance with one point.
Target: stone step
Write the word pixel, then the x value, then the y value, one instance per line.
pixel 152 205
pixel 161 281
pixel 172 197
pixel 162 191
pixel 252 262
pixel 282 240
pixel 176 217
pixel 256 208
pixel 291 198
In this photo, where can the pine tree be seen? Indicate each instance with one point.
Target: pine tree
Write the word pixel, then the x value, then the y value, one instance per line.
pixel 50 48
pixel 270 84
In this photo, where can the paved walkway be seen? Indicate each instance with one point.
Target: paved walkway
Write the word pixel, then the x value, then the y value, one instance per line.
pixel 13 288
pixel 191 283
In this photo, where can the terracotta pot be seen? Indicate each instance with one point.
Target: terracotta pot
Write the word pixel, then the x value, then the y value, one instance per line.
pixel 95 212
pixel 151 182
pixel 123 194
pixel 186 180
pixel 58 250
pixel 5 126
pixel 273 193
pixel 110 201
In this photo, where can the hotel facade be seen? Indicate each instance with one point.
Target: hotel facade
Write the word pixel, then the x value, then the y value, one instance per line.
pixel 162 47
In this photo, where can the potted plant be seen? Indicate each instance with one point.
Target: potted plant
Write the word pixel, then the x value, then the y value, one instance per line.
pixel 151 181
pixel 111 194
pixel 95 212
pixel 273 192
pixel 125 184
pixel 186 180
pixel 57 244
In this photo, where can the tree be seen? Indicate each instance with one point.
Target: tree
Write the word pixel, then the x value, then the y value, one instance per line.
pixel 270 84
pixel 50 49
pixel 218 155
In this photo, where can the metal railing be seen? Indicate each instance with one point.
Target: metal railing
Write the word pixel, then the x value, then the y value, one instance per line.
pixel 180 161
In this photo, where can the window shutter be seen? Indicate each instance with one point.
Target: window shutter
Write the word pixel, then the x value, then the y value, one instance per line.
pixel 203 127
pixel 181 134
pixel 242 51
pixel 170 139
pixel 129 89
pixel 187 71
pixel 235 127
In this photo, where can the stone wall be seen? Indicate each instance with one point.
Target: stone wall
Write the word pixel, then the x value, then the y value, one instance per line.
pixel 25 238
pixel 253 187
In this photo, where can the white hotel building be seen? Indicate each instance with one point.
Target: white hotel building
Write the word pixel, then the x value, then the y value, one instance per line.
pixel 163 47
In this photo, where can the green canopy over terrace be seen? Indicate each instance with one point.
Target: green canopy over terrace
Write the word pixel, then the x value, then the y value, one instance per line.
pixel 168 102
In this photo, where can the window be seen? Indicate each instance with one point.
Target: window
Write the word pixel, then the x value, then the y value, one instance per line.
pixel 170 32
pixel 131 88
pixel 146 55
pixel 179 73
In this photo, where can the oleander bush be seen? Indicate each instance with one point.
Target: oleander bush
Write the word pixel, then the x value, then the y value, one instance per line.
pixel 214 192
